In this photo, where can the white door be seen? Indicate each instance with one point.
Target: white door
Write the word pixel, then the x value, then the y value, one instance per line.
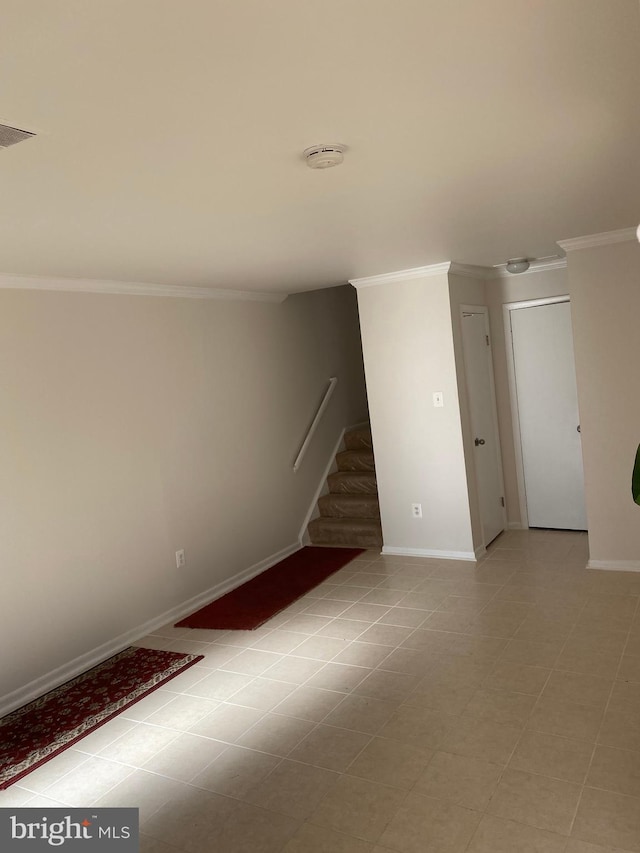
pixel 482 408
pixel 547 403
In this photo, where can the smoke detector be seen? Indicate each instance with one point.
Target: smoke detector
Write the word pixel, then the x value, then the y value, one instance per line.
pixel 324 156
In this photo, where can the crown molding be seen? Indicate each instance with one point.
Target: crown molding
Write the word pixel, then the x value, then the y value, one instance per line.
pixel 470 271
pixel 9 281
pixel 401 275
pixel 603 239
pixel 543 266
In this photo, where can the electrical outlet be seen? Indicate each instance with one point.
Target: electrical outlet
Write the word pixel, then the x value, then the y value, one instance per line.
pixel 416 510
pixel 180 559
pixel 438 399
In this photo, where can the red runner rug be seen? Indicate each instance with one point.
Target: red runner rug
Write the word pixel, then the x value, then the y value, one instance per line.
pixel 256 601
pixel 40 730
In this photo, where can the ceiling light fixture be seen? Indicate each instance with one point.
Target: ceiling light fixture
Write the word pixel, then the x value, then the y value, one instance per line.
pixel 516 265
pixel 324 156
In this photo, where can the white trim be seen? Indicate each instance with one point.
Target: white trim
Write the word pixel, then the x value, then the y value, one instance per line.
pixel 333 381
pixel 605 238
pixel 42 685
pixel 428 552
pixel 615 565
pixel 401 275
pixel 500 271
pixel 481 552
pixel 10 281
pixel 470 271
pixel 507 308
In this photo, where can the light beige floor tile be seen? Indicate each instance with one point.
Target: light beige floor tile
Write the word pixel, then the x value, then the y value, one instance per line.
pixel 219 685
pixel 575 846
pixel 482 648
pixel 408 661
pixel 185 757
pixel 145 791
pixel 309 703
pixel 304 623
pixel 542 654
pixel 330 747
pixel 96 775
pixel 276 734
pixel 227 723
pixel 464 781
pixel 625 695
pixel 235 772
pixel 344 629
pixel 445 698
pixel 145 707
pixel 250 828
pixel 139 744
pixel 535 800
pixel 189 821
pixel 106 734
pixel 517 677
pixel 386 635
pixel 501 706
pixel 347 592
pixel 390 763
pixel 405 617
pixel 549 755
pixel 423 823
pixel 586 661
pixel 607 818
pixel 361 713
pixel 484 739
pixel 152 845
pixel 182 712
pixel 630 669
pixel 358 807
pixel 293 789
pixel 579 688
pixel 363 654
pixel 441 620
pixel 262 693
pixel 386 596
pixel 326 607
pixel 427 640
pixel 15 797
pixel 294 670
pixel 366 612
pixel 245 639
pixel 495 835
pixel 621 728
pixel 615 770
pixel 566 719
pixel 216 655
pixel 418 727
pixel 51 771
pixel 319 839
pixel 460 670
pixel 387 686
pixel 535 628
pixel 251 662
pixel 338 676
pixel 320 648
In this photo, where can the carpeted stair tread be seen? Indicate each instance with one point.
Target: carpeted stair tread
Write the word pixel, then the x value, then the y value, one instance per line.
pixel 349 506
pixel 355 460
pixel 360 532
pixel 358 439
pixel 352 483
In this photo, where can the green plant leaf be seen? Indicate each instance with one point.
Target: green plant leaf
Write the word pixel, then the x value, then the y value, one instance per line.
pixel 635 479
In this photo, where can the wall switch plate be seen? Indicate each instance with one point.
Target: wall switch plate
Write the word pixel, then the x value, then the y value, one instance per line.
pixel 180 559
pixel 438 399
pixel 416 510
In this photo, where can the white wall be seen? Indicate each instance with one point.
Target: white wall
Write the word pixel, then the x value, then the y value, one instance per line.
pixel 407 342
pixel 134 426
pixel 515 288
pixel 604 284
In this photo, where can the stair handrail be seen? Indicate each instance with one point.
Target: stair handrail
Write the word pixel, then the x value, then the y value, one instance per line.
pixel 333 381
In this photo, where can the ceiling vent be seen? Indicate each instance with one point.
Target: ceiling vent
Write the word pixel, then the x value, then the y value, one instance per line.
pixel 324 156
pixel 11 135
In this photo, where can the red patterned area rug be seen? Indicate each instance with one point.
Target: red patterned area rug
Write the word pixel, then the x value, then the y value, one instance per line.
pixel 40 730
pixel 256 601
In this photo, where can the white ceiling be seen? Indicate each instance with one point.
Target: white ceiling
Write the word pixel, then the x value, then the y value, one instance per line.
pixel 171 132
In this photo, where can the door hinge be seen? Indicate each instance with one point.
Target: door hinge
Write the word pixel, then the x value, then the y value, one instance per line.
pixel 486 337
pixel 501 501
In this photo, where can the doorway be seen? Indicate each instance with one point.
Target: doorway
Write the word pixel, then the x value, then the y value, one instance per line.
pixel 546 422
pixel 478 362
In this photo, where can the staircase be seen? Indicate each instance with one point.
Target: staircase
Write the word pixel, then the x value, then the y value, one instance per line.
pixel 349 513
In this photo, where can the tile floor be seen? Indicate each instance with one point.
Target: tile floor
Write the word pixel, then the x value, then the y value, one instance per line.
pixel 405 705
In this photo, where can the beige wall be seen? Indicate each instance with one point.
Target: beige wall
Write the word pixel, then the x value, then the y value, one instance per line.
pixel 515 288
pixel 408 351
pixel 135 426
pixel 604 284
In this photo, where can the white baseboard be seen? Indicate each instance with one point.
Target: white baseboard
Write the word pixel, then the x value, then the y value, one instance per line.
pixel 81 664
pixel 615 565
pixel 428 552
pixel 480 552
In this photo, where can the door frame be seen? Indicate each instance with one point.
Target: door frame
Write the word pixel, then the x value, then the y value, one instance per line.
pixel 484 309
pixel 507 308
